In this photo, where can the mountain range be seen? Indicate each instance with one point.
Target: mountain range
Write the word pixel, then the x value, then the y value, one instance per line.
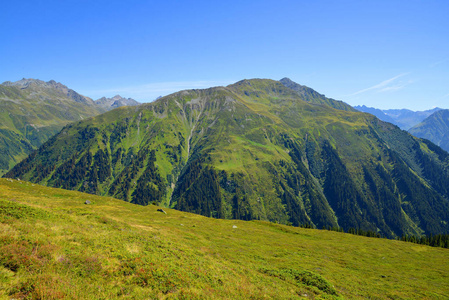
pixel 114 102
pixel 404 118
pixel 257 149
pixel 33 110
pixel 432 124
pixel 434 128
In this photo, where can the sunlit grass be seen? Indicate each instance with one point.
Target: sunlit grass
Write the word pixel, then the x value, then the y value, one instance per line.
pixel 54 246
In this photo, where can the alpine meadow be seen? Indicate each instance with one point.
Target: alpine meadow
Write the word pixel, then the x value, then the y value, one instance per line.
pixel 59 244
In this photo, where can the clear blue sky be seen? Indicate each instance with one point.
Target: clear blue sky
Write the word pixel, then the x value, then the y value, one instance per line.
pixel 385 54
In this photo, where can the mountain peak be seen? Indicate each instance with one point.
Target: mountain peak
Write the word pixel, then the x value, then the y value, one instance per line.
pixel 117 97
pixel 287 81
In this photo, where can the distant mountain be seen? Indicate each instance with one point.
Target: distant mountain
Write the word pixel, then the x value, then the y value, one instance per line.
pixel 434 128
pixel 404 118
pixel 255 149
pixel 312 96
pixel 376 112
pixel 32 110
pixel 116 101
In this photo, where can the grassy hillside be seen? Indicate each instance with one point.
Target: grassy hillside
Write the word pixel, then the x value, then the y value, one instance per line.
pixel 53 246
pixel 253 150
pixel 312 96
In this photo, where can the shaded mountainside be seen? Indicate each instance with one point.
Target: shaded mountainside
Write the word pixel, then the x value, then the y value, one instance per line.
pixel 31 111
pixel 404 118
pixel 253 150
pixel 434 128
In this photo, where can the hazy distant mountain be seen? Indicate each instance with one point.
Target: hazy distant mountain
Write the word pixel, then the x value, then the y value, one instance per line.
pixel 404 118
pixel 255 149
pixel 434 128
pixel 376 112
pixel 116 101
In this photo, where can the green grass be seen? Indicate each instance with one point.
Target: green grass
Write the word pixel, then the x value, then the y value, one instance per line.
pixel 54 246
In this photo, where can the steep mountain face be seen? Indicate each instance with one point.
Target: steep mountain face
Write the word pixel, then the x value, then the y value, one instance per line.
pixel 434 128
pixel 253 150
pixel 114 102
pixel 404 118
pixel 312 96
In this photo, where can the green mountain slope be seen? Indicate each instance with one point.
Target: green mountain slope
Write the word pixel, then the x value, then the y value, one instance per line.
pixel 434 128
pixel 253 150
pixel 53 246
pixel 313 96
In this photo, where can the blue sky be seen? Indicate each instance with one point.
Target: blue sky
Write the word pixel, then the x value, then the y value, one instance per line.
pixel 385 54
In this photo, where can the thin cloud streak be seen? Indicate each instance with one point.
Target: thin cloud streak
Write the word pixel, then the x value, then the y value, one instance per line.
pixel 397 87
pixel 438 63
pixel 383 86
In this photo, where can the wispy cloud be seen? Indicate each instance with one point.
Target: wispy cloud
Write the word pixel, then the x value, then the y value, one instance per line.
pixel 148 92
pixel 385 86
pixel 437 63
